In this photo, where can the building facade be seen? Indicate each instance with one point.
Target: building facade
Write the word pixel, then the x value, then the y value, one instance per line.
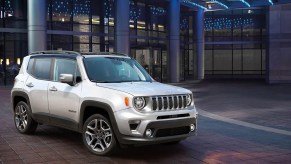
pixel 173 40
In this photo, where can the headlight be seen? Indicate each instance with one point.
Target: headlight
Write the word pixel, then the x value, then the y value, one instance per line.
pixel 139 103
pixel 189 100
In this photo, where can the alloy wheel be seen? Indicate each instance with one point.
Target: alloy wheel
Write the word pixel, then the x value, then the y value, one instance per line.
pixel 98 135
pixel 21 117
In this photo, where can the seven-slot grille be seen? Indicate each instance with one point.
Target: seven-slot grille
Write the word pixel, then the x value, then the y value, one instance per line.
pixel 173 102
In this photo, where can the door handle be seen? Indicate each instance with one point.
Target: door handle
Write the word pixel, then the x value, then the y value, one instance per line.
pixel 53 89
pixel 30 85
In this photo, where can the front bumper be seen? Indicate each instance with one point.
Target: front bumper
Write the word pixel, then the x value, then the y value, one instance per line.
pixel 174 127
pixel 172 130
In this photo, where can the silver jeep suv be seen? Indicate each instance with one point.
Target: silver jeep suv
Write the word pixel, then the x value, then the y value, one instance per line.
pixel 108 97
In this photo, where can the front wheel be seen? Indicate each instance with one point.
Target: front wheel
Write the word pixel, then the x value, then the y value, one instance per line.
pixel 98 135
pixel 23 119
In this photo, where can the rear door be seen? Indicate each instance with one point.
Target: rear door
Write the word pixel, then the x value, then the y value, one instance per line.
pixel 37 86
pixel 64 98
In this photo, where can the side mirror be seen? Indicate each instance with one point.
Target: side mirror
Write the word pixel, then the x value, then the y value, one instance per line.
pixel 67 78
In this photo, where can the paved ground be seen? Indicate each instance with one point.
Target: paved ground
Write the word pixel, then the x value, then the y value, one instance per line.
pixel 220 138
pixel 250 101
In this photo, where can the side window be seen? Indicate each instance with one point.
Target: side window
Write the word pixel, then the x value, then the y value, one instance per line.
pixel 30 66
pixel 42 68
pixel 64 66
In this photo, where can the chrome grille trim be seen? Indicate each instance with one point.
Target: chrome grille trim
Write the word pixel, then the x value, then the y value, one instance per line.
pixel 167 103
pixel 183 103
pixel 163 105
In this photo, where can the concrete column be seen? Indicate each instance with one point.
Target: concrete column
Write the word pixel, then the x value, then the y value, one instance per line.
pixel 199 40
pixel 37 25
pixel 173 63
pixel 121 24
pixel 279 44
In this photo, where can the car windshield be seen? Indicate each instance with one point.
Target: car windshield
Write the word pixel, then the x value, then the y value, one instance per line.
pixel 115 70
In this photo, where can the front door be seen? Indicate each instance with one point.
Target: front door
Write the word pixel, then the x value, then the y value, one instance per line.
pixel 64 98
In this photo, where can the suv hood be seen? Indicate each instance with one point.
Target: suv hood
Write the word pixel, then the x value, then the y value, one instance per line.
pixel 145 88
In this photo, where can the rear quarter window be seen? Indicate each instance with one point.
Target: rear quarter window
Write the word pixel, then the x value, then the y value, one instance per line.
pixel 40 68
pixel 30 66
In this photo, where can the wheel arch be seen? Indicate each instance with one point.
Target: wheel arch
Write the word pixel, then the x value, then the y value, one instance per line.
pixel 18 96
pixel 90 107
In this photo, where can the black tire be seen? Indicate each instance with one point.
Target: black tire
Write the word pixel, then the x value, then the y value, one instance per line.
pixel 23 120
pixel 94 138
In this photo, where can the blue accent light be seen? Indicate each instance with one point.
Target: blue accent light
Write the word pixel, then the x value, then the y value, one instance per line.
pixel 108 8
pixel 245 2
pixel 184 24
pixel 157 11
pixel 8 9
pixel 135 12
pixel 189 2
pixel 219 3
pixel 271 2
pixel 227 23
pixel 63 8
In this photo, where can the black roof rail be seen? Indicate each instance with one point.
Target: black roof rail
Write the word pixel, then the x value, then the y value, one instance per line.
pixel 103 53
pixel 76 53
pixel 55 52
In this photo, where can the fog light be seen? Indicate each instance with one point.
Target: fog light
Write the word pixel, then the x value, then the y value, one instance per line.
pixel 192 127
pixel 148 132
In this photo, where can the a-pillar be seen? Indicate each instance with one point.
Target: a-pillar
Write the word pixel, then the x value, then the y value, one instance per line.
pixel 121 24
pixel 173 46
pixel 37 13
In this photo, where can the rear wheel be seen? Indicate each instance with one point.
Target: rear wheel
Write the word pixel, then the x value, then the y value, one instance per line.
pixel 23 120
pixel 98 135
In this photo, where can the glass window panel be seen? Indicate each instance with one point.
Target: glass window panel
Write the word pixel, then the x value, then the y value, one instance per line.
pixel 111 30
pixel 252 59
pixel 81 38
pixel 41 68
pixel 65 26
pixel 81 28
pixel 222 59
pixel 82 47
pixel 144 33
pixel 81 11
pixel 98 12
pixel 30 66
pixel 237 33
pixel 208 60
pixel 64 66
pixel 237 60
pixel 95 48
pixel 263 59
pixel 62 38
pixel 95 39
pixel 62 46
pixel 61 10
